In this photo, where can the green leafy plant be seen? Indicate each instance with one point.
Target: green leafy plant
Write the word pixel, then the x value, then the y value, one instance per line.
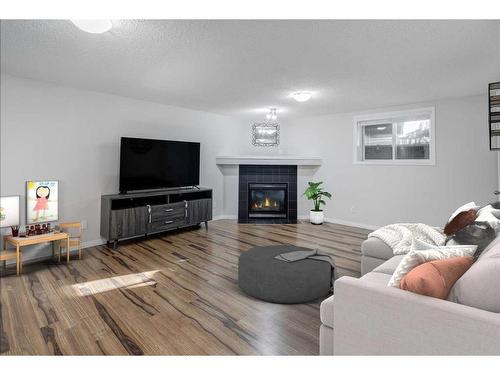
pixel 315 193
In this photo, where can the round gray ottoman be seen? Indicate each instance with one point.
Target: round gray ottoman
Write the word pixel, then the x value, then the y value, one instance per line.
pixel 262 276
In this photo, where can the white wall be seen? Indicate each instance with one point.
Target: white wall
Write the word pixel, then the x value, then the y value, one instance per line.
pixel 49 131
pixel 55 132
pixel 375 195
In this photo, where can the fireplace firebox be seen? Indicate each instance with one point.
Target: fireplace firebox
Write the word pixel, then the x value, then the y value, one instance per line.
pixel 267 201
pixel 267 194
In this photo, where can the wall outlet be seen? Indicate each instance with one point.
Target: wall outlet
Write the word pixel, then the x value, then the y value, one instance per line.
pixel 84 224
pixel 353 209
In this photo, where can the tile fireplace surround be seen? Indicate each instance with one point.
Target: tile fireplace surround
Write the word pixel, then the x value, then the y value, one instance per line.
pixel 267 174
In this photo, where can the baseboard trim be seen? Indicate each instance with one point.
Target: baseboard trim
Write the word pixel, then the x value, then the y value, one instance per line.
pixel 225 217
pixel 306 217
pixel 345 222
pixel 92 243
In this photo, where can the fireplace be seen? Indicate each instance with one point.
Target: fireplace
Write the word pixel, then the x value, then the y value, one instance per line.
pixel 267 194
pixel 267 201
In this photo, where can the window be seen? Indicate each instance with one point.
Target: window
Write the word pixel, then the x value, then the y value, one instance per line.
pixel 405 137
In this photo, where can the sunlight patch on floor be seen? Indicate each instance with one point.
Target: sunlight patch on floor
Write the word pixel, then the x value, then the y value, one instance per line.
pixel 135 280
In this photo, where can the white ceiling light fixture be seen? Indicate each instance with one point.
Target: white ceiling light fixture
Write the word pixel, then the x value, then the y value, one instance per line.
pixel 272 116
pixel 93 26
pixel 302 96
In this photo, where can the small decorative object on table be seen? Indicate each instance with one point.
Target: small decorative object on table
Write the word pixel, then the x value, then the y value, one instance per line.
pixel 15 230
pixel 315 193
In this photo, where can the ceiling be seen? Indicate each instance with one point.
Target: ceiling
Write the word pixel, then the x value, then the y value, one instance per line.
pixel 241 68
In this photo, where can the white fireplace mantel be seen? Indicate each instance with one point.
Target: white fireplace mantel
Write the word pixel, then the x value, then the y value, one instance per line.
pixel 269 160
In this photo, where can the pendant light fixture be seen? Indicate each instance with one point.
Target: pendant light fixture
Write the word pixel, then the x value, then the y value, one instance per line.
pixel 271 115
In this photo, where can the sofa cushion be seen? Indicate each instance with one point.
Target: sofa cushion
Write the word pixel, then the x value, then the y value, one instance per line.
pixel 491 246
pixel 436 278
pixel 368 264
pixel 379 278
pixel 326 312
pixel 389 266
pixel 479 286
pixel 326 307
pixel 376 248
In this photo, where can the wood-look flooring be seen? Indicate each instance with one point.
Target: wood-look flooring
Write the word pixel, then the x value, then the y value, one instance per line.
pixel 171 294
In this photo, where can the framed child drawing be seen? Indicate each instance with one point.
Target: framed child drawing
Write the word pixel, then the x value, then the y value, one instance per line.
pixel 42 201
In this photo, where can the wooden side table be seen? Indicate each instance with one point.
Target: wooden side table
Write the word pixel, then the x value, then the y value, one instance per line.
pixel 20 242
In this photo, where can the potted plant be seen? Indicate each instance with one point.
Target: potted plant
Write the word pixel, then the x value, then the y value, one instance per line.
pixel 315 193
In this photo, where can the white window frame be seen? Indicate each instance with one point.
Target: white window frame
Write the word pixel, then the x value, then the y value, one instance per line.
pixel 384 118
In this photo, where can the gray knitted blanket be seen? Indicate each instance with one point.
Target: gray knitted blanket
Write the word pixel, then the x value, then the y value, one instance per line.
pixel 294 256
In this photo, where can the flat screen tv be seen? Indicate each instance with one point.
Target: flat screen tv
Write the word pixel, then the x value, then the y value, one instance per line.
pixel 150 164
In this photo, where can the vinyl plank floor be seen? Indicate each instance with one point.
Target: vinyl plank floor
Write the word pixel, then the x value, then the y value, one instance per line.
pixel 170 294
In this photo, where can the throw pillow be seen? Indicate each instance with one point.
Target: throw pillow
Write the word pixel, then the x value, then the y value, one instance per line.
pixel 478 233
pixel 490 215
pixel 465 207
pixel 460 221
pixel 436 278
pixel 416 257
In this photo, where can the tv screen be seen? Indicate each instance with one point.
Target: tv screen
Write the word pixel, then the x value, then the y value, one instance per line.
pixel 147 164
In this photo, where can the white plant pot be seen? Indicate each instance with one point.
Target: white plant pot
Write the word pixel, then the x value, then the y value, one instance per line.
pixel 316 217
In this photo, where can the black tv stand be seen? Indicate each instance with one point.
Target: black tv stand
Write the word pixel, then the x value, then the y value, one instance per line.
pixel 139 214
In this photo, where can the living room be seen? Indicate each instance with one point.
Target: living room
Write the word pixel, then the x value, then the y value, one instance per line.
pixel 211 186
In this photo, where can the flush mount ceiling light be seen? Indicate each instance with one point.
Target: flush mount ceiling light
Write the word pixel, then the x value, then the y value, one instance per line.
pixel 302 96
pixel 93 26
pixel 272 116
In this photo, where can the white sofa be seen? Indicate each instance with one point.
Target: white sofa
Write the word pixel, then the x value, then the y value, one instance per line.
pixel 367 317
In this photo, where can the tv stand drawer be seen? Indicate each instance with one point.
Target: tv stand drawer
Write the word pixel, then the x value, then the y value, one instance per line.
pixel 159 226
pixel 168 211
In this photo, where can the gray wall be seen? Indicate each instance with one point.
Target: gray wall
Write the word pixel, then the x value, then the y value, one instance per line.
pixel 375 195
pixel 49 131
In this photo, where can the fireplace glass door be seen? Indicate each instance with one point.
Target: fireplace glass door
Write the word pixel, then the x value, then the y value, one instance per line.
pixel 267 200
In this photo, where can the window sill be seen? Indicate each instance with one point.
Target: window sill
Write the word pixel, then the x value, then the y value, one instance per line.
pixel 396 162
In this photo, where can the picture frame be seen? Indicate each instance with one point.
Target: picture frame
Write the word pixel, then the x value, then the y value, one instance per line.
pixel 42 201
pixel 265 134
pixel 10 211
pixel 494 115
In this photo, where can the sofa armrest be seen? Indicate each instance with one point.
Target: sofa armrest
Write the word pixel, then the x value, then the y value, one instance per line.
pixel 370 319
